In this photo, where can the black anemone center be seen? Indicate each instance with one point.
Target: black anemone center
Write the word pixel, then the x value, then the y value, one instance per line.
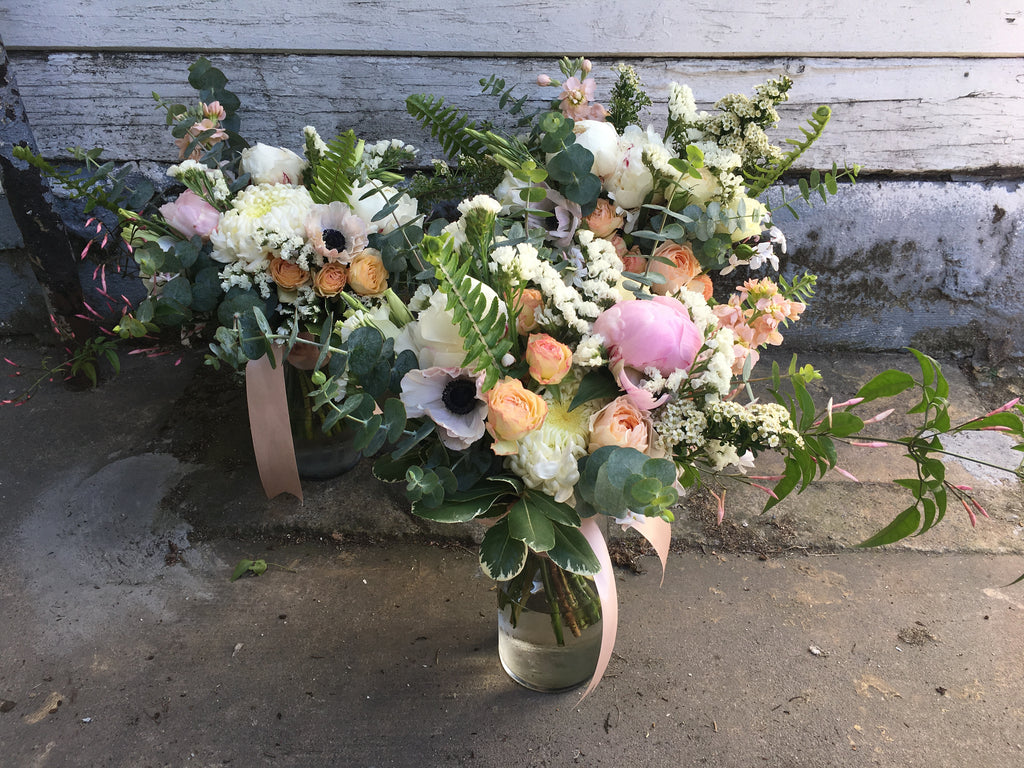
pixel 459 396
pixel 334 239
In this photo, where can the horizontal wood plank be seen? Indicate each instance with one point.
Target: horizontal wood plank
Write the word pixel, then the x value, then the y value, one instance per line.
pixel 898 115
pixel 522 27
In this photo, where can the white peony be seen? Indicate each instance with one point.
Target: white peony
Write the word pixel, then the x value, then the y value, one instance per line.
pixel 272 165
pixel 366 206
pixel 631 181
pixel 258 212
pixel 602 141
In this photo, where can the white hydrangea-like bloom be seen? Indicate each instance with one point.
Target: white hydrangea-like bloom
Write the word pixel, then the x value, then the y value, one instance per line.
pixel 258 212
pixel 681 104
pixel 547 457
pixel 589 353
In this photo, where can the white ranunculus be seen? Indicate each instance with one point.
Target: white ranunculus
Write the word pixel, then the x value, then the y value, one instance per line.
pixel 369 206
pixel 703 189
pixel 603 142
pixel 272 165
pixel 434 335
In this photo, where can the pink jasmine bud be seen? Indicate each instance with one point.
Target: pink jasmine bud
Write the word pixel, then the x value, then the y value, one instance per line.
pixel 996 429
pixel 721 504
pixel 543 80
pixel 766 477
pixel 970 514
pixel 879 416
pixel 853 401
pixel 1004 407
pixel 769 491
pixel 963 487
pixel 979 507
pixel 845 474
pixel 872 444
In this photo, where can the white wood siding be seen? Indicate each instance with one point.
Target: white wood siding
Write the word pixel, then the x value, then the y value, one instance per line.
pixel 714 28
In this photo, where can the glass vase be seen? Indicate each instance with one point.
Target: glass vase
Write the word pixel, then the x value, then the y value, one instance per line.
pixel 319 455
pixel 549 626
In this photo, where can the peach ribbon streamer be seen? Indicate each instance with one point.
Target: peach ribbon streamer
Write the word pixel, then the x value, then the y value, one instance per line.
pixel 659 533
pixel 270 428
pixel 605 583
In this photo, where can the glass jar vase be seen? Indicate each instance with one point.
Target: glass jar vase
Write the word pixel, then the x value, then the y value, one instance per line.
pixel 549 626
pixel 319 455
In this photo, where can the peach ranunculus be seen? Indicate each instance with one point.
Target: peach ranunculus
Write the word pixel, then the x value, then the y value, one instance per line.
pixel 512 413
pixel 330 280
pixel 527 304
pixel 287 274
pixel 621 423
pixel 366 273
pixel 191 215
pixel 604 221
pixel 684 272
pixel 549 359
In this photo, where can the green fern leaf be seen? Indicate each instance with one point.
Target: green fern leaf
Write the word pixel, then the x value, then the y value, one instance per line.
pixel 764 177
pixel 332 175
pixel 447 125
pixel 483 325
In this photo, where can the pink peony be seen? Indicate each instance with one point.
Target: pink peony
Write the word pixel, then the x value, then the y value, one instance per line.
pixel 641 334
pixel 191 215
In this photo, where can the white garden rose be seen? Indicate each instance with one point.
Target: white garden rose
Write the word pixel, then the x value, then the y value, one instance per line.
pixel 602 141
pixel 434 335
pixel 369 206
pixel 272 165
pixel 507 193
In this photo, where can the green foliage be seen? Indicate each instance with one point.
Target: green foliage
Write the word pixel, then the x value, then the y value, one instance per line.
pixel 482 323
pixel 495 86
pixel 763 177
pixel 447 125
pixel 614 480
pixel 332 174
pixel 246 566
pixel 100 184
pixel 628 98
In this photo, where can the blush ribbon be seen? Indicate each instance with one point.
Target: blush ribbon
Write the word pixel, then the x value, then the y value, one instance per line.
pixel 659 534
pixel 270 427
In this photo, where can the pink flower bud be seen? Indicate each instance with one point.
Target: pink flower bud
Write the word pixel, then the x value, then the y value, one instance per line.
pixel 587 66
pixel 543 80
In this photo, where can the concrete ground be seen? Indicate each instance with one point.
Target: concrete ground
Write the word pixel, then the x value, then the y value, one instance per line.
pixel 370 641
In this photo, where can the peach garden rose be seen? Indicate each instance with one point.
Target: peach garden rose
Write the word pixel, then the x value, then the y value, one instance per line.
pixel 512 413
pixel 366 273
pixel 622 424
pixel 330 280
pixel 549 359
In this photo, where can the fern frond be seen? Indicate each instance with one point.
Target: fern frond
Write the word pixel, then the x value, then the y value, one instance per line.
pixel 483 324
pixel 332 175
pixel 764 177
pixel 447 125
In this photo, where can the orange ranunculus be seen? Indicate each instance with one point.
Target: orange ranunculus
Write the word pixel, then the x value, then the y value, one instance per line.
pixel 366 273
pixel 330 280
pixel 549 359
pixel 287 274
pixel 527 304
pixel 512 413
pixel 622 424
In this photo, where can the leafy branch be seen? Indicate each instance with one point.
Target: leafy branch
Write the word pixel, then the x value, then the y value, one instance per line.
pixel 764 176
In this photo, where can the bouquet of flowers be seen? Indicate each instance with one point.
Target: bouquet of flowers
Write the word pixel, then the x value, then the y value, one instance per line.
pixel 576 340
